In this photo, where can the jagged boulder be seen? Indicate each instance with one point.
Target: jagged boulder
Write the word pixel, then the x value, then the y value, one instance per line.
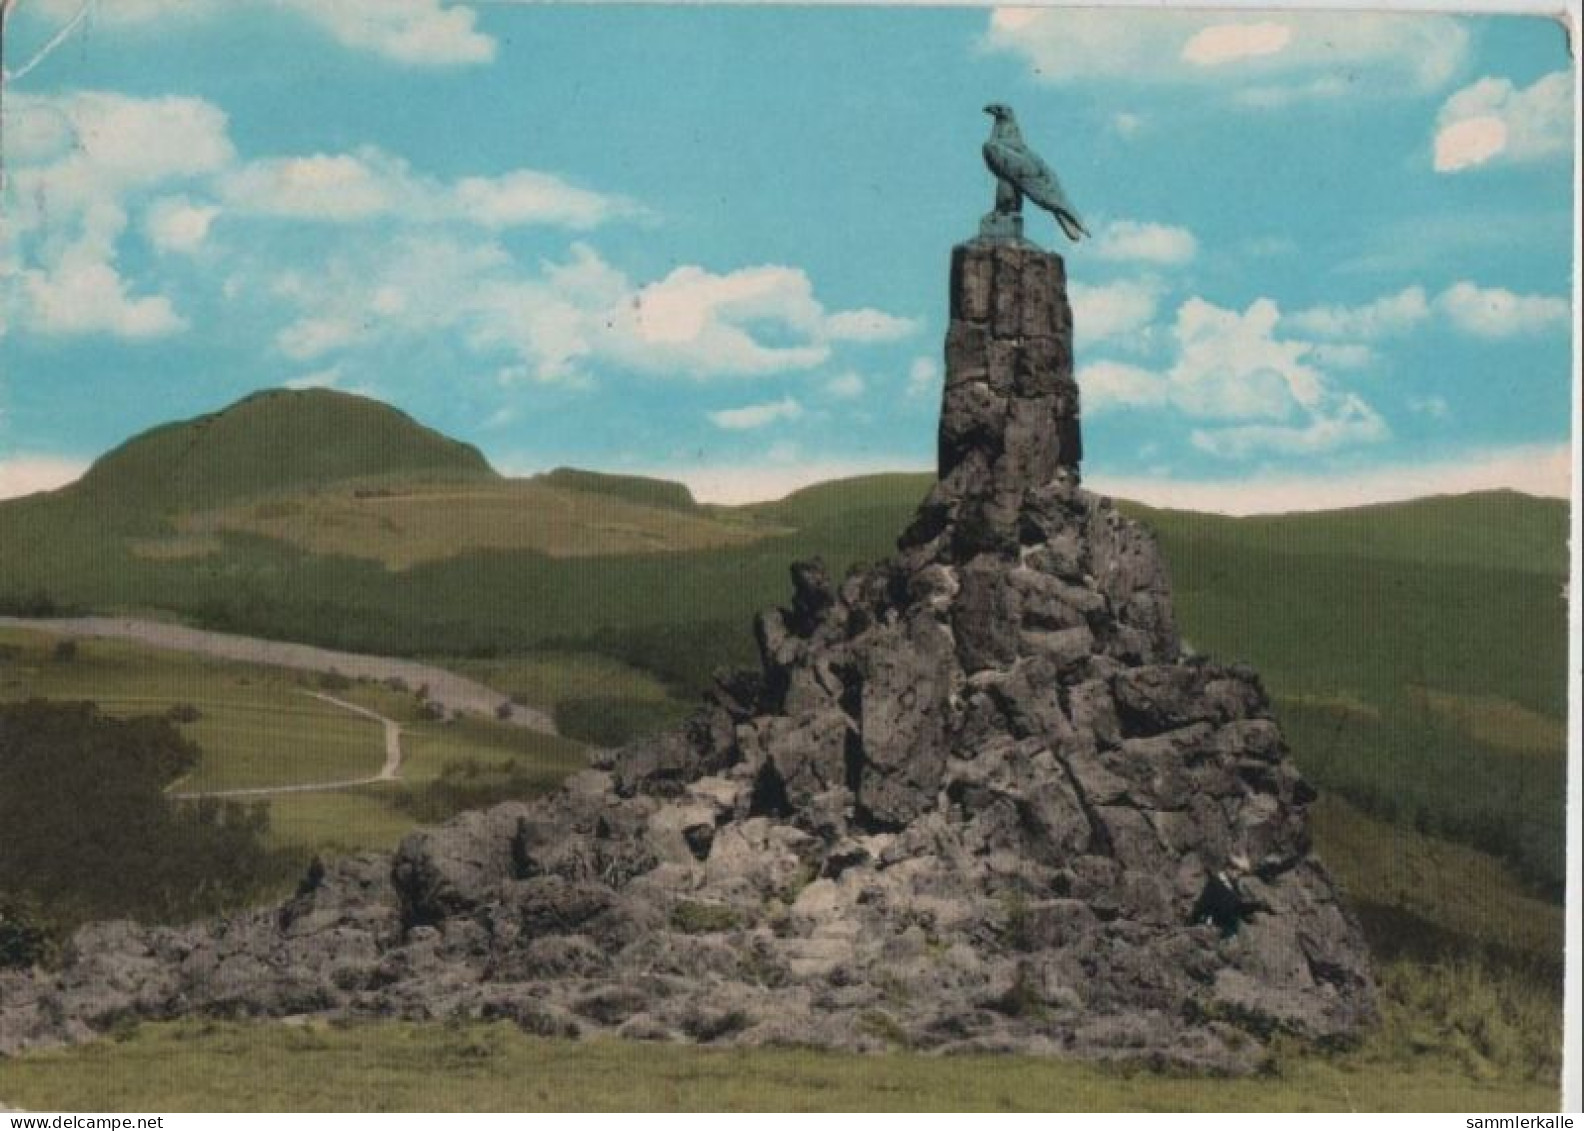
pixel 974 798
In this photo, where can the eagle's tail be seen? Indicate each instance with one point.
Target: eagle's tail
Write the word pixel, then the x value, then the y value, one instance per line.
pixel 1071 225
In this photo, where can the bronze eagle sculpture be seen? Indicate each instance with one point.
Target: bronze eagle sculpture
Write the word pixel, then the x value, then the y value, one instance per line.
pixel 1020 172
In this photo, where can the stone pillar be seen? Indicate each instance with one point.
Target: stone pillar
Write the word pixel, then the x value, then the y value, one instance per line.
pixel 1009 420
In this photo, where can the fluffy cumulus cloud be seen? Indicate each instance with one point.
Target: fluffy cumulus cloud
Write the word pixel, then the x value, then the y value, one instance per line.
pixel 84 156
pixel 370 184
pixel 1220 44
pixel 177 224
pixel 428 33
pixel 869 325
pixel 555 323
pixel 1255 389
pixel 756 415
pixel 1384 317
pixel 1483 312
pixel 1294 54
pixel 1113 310
pixel 1494 120
pixel 421 32
pixel 1135 242
pixel 1114 384
pixel 1493 312
pixel 1347 422
pixel 84 163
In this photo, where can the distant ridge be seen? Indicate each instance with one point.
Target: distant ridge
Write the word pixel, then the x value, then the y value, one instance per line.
pixel 270 442
pixel 639 489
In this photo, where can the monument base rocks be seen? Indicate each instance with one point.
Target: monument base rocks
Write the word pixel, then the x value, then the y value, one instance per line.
pixel 974 798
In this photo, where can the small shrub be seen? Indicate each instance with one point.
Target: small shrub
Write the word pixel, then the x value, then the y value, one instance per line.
pixel 65 651
pixel 1016 926
pixel 887 1028
pixel 183 713
pixel 23 942
pixel 704 918
pixel 614 720
pixel 333 680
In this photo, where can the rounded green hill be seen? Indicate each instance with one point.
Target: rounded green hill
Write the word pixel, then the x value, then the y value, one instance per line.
pixel 270 442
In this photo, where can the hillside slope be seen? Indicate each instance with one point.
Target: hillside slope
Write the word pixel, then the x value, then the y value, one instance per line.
pixel 268 443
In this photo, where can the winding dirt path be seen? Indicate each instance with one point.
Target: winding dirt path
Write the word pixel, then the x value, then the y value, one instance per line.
pixel 390 771
pixel 447 690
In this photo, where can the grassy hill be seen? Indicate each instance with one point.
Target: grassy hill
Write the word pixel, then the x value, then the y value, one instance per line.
pixel 272 442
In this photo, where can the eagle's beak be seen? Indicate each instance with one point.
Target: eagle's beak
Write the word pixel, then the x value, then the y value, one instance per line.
pixel 990 110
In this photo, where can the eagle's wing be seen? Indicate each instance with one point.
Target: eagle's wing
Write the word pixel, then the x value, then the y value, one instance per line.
pixel 1035 180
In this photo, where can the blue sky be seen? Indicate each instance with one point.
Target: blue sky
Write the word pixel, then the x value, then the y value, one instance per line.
pixel 1332 257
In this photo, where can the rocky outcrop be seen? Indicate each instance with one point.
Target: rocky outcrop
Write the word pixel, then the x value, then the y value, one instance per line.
pixel 975 797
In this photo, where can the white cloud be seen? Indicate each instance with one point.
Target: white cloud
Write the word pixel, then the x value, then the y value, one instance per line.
pixel 427 33
pixel 1386 316
pixel 1469 142
pixel 1220 44
pixel 1311 54
pixel 1348 420
pixel 703 323
pixel 1487 312
pixel 309 338
pixel 556 322
pixel 924 378
pixel 1112 309
pixel 27 475
pixel 845 386
pixel 369 184
pixel 107 143
pixel 1494 119
pixel 1232 366
pixel 324 186
pixel 868 326
pixel 67 213
pixel 83 294
pixel 1544 470
pixel 756 415
pixel 420 32
pixel 1113 384
pixel 176 224
pixel 1132 241
pixel 1492 312
pixel 528 197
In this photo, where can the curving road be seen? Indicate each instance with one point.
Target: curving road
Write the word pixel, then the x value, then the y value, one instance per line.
pixel 447 690
pixel 390 771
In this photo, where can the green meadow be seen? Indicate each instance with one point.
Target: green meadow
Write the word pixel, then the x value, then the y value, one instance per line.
pixel 262 727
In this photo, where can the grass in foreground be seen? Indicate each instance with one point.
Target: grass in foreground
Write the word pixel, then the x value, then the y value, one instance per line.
pixel 398 1066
